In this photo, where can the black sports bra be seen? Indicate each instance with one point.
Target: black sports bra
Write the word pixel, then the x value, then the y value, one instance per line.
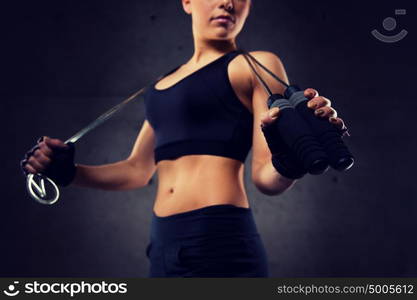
pixel 200 114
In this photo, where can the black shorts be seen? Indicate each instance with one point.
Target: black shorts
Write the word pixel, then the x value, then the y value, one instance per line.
pixel 213 241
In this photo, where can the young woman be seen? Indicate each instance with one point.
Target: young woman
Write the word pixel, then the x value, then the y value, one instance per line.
pixel 202 118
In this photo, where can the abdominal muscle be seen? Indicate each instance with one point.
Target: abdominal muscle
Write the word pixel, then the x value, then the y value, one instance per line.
pixel 195 181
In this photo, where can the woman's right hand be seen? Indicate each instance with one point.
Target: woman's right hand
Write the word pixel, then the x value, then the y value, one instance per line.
pixel 52 158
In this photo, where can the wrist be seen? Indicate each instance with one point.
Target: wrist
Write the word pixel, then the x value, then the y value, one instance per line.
pixel 73 175
pixel 66 177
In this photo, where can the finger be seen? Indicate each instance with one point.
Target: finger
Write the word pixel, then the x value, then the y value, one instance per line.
pixel 311 93
pixel 338 122
pixel 28 168
pixel 326 112
pixel 35 165
pixel 318 102
pixel 269 116
pixel 55 143
pixel 31 151
pixel 41 158
pixel 46 150
pixel 23 166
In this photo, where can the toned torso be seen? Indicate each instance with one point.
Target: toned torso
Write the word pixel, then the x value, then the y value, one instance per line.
pixel 194 181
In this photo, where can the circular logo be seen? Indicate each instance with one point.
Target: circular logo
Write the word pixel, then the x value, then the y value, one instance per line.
pixel 42 189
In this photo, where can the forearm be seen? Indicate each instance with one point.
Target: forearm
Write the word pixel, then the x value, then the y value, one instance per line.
pixel 116 176
pixel 270 182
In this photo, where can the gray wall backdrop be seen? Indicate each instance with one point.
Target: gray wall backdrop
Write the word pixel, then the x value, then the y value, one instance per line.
pixel 66 62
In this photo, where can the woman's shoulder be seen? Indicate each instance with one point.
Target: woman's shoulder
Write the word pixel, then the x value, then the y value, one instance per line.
pixel 267 58
pixel 271 61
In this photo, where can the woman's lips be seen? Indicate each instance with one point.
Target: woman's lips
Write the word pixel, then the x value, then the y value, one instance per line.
pixel 223 20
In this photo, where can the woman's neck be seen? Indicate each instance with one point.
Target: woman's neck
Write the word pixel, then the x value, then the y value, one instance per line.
pixel 208 50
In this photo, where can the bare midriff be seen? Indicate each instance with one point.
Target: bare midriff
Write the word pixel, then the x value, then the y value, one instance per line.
pixel 195 181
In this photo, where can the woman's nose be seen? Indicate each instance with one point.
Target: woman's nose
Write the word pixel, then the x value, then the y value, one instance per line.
pixel 227 4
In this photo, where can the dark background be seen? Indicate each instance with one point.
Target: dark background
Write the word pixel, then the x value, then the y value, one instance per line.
pixel 63 63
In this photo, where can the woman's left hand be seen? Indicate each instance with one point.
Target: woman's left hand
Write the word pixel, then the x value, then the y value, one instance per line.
pixel 322 108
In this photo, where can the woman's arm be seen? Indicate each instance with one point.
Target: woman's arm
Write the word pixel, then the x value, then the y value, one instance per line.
pixel 269 181
pixel 264 176
pixel 131 173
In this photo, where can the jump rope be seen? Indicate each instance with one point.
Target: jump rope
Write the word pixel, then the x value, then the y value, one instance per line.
pixel 315 141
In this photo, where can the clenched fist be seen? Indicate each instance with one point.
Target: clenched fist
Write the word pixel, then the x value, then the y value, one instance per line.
pixel 52 158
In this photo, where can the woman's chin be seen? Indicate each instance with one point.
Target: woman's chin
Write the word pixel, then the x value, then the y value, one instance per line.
pixel 223 35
